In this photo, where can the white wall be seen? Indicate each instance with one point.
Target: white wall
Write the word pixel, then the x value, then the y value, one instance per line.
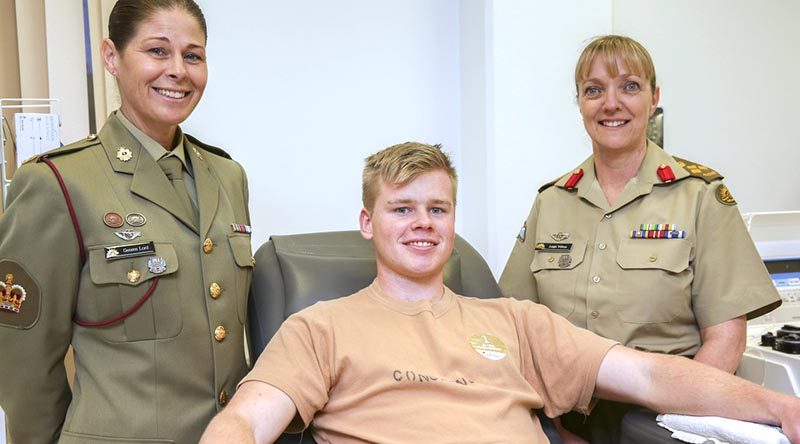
pixel 300 92
pixel 66 64
pixel 728 73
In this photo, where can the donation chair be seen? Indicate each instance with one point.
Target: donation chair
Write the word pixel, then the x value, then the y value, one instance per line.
pixel 293 272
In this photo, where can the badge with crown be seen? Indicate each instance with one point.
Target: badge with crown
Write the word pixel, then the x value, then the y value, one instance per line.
pixel 11 295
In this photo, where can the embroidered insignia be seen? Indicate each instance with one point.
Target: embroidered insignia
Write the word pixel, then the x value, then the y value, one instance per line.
pixel 112 219
pixel 134 276
pixel 128 235
pixel 574 179
pixel 560 236
pixel 157 265
pixel 241 228
pixel 488 346
pixel 11 295
pixel 135 219
pixel 124 154
pixel 125 251
pixel 522 232
pixel 564 261
pixel 665 173
pixel 724 195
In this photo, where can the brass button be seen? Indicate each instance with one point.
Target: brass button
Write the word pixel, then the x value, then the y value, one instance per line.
pixel 596 279
pixel 550 259
pixel 595 314
pixel 215 290
pixel 653 258
pixel 208 245
pixel 602 246
pixel 220 333
pixel 223 397
pixel 134 276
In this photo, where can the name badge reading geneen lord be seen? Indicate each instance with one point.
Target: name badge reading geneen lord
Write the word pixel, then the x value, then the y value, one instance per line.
pixel 126 251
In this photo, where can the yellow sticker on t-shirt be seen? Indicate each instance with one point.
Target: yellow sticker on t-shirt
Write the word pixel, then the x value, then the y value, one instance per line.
pixel 488 346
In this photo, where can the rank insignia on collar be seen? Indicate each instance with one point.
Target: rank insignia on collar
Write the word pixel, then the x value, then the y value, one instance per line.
pixel 560 236
pixel 11 295
pixel 197 153
pixel 665 173
pixel 522 231
pixel 724 195
pixel 241 228
pixel 124 154
pixel 574 179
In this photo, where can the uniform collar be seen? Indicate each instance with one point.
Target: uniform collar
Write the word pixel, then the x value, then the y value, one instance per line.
pixel 154 148
pixel 127 156
pixel 646 177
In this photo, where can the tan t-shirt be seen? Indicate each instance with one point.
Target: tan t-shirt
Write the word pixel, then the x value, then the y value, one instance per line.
pixel 368 368
pixel 576 255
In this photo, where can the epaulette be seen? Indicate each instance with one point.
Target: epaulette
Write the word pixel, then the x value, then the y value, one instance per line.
pixel 90 140
pixel 210 148
pixel 548 184
pixel 699 171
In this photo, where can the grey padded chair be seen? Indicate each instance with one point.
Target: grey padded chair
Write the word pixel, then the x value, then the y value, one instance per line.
pixel 293 272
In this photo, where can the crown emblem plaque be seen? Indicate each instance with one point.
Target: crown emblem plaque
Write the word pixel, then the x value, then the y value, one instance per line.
pixel 11 295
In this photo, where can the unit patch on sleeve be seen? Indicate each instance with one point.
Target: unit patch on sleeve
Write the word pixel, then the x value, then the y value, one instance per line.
pixel 20 298
pixel 724 195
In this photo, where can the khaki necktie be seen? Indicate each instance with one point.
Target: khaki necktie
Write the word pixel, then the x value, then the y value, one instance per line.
pixel 173 168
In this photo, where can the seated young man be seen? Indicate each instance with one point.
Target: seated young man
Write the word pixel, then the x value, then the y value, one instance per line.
pixel 406 360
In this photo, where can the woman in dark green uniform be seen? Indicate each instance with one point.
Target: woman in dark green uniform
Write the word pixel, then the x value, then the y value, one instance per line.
pixel 133 246
pixel 635 244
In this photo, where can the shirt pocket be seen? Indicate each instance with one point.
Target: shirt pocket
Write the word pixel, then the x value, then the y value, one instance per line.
pixel 556 275
pixel 243 256
pixel 117 285
pixel 655 284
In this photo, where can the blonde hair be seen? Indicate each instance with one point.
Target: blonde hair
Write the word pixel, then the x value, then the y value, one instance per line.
pixel 634 56
pixel 400 164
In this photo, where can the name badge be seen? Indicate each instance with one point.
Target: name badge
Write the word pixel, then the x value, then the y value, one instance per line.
pixel 126 251
pixel 553 247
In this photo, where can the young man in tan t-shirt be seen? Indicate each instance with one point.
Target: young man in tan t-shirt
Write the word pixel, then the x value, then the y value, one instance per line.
pixel 407 360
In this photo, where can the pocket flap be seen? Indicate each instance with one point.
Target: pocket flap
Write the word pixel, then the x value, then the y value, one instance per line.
pixel 559 260
pixel 242 251
pixel 104 271
pixel 665 254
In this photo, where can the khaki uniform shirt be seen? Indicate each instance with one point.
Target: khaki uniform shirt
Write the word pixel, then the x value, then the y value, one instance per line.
pixel 575 254
pixel 163 372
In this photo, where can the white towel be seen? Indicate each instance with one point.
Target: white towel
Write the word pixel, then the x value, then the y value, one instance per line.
pixel 701 429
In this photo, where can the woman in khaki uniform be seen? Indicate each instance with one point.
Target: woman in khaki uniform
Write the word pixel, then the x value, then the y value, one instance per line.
pixel 133 247
pixel 634 244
